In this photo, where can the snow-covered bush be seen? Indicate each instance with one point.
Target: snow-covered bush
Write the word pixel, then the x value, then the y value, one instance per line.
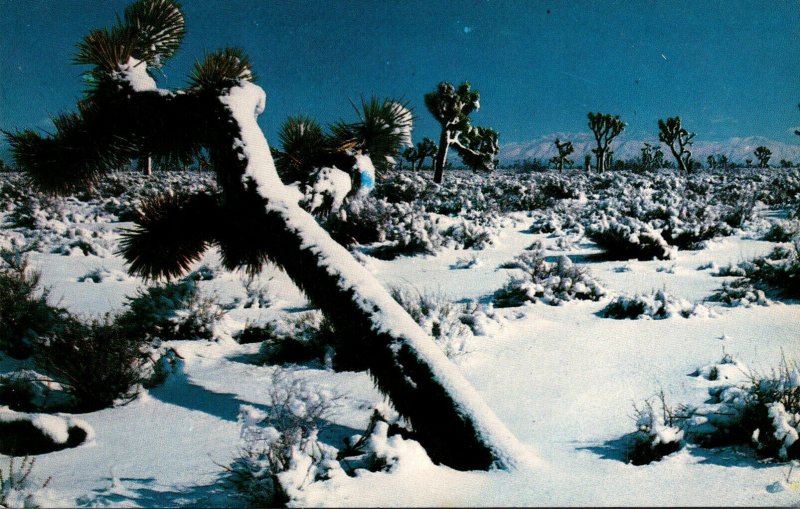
pixel 775 275
pixel 171 311
pixel 763 411
pixel 658 433
pixel 98 363
pixel 551 283
pixel 280 448
pixel 783 231
pixel 24 311
pixel 745 408
pixel 656 306
pixel 443 320
pixel 17 486
pixel 626 237
pixel 305 338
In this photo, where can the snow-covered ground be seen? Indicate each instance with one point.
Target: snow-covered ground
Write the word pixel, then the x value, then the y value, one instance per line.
pixel 562 378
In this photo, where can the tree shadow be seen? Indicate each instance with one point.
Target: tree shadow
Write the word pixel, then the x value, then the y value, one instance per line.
pixel 144 492
pixel 178 390
pixel 739 455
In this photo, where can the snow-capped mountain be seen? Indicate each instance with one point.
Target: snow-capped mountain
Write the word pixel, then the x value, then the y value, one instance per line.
pixel 736 149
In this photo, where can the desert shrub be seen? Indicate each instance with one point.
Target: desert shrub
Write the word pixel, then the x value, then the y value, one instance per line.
pixel 444 321
pixel 280 448
pixel 24 215
pixel 98 362
pixel 17 486
pixel 25 313
pixel 739 293
pixel 775 275
pixel 658 432
pixel 551 283
pixel 656 306
pixel 307 337
pixel 171 311
pixel 763 411
pixel 783 231
pixel 626 237
pixel 690 232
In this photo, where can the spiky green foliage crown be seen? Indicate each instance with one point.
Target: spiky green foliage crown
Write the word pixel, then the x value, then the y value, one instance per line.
pixel 151 31
pixel 605 127
pixel 221 69
pixel 672 130
pixel 383 128
pixel 451 106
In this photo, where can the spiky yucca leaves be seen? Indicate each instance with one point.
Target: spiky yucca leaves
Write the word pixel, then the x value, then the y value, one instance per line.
pixel 151 31
pixel 171 233
pixel 81 151
pixel 106 49
pixel 221 69
pixel 159 29
pixel 303 144
pixel 382 130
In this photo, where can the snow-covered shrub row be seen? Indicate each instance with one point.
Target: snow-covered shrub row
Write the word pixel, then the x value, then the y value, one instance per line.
pixel 744 408
pixel 77 225
pixel 626 237
pixel 402 229
pixel 776 275
pixel 280 448
pixel 548 282
pixel 658 305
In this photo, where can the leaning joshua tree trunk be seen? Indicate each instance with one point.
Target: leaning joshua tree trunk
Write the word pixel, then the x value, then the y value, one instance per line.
pixel 252 220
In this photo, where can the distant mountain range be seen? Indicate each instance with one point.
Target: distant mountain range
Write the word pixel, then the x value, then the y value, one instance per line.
pixel 736 149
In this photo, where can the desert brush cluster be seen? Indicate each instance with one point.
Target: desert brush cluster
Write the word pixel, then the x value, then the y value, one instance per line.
pixel 314 324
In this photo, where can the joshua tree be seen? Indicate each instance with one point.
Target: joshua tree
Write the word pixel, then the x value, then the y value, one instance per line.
pixel 411 155
pixel 251 219
pixel 712 163
pixel 587 162
pixel 425 149
pixel 564 149
pixel 722 161
pixel 762 154
pixel 670 133
pixel 605 128
pixel 383 128
pixel 451 107
pixel 785 163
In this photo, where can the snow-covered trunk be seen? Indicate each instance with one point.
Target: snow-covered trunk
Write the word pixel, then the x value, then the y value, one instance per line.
pixel 449 417
pixel 441 156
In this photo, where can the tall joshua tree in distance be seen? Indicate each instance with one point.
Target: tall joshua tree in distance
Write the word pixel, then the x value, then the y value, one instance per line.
pixel 762 154
pixel 451 107
pixel 605 128
pixel 564 150
pixel 671 133
pixel 250 220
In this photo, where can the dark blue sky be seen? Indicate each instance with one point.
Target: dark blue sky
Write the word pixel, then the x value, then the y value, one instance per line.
pixel 728 68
